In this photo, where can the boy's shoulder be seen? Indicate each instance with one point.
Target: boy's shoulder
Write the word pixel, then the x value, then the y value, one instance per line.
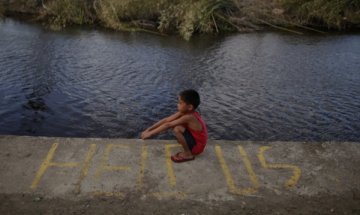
pixel 189 116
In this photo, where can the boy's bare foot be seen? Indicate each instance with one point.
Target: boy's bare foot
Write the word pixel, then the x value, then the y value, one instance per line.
pixel 182 157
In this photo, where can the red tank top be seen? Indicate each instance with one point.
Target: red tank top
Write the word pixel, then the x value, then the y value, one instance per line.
pixel 200 137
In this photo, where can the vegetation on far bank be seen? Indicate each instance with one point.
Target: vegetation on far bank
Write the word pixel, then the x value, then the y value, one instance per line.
pixel 1 10
pixel 187 17
pixel 333 14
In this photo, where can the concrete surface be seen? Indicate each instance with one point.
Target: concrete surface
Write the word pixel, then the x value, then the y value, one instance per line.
pixel 228 171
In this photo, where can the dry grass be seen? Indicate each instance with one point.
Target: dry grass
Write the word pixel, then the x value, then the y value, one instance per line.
pixel 183 16
pixel 335 14
pixel 2 10
pixel 189 17
pixel 61 13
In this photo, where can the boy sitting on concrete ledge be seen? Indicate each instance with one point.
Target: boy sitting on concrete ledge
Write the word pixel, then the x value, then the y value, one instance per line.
pixel 188 127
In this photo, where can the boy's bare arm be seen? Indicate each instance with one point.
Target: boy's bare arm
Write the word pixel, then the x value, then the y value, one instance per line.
pixel 184 119
pixel 166 119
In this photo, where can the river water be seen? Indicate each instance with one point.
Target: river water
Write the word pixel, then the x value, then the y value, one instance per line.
pixel 259 86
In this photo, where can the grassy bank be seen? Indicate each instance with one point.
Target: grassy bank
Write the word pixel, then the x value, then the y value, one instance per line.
pixel 332 14
pixel 2 10
pixel 188 17
pixel 185 17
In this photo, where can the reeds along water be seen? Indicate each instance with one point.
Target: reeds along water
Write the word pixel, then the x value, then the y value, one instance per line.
pixel 188 17
pixel 61 13
pixel 1 10
pixel 333 14
pixel 185 17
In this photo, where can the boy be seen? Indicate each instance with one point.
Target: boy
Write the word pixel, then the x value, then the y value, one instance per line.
pixel 187 125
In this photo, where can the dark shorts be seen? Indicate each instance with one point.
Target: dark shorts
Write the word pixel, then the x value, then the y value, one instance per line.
pixel 190 141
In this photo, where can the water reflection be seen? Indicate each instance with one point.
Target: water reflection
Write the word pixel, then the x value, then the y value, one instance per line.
pixel 96 83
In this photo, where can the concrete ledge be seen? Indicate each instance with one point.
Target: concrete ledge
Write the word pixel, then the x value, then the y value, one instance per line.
pixel 228 171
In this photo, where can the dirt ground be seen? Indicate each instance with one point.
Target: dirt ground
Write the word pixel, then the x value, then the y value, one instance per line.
pixel 348 203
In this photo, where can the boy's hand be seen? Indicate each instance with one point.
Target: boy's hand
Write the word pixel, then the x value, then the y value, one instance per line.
pixel 145 135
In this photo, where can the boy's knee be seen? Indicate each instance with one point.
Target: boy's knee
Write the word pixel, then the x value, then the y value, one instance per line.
pixel 178 130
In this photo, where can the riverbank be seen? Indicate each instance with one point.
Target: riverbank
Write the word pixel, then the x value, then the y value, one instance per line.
pixel 94 176
pixel 190 17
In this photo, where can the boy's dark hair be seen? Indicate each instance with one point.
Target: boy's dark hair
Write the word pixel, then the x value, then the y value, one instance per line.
pixel 190 97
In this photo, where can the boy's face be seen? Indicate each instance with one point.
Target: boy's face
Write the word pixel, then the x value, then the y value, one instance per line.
pixel 183 107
